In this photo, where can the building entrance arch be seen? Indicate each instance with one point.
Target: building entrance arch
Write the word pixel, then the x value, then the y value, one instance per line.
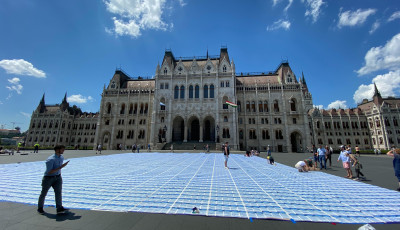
pixel 209 129
pixel 178 129
pixel 194 129
pixel 295 141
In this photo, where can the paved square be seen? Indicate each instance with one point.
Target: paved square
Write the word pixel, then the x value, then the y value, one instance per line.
pixel 176 183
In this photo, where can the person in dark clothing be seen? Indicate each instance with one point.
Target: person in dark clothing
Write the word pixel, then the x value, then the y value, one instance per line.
pixel 52 178
pixel 226 154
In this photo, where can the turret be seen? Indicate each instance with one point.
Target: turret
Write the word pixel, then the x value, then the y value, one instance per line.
pixel 41 107
pixel 377 98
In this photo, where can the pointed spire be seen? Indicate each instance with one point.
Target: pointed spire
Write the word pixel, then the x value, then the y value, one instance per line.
pixel 65 98
pixel 376 92
pixel 377 98
pixel 207 52
pixel 42 101
pixel 303 80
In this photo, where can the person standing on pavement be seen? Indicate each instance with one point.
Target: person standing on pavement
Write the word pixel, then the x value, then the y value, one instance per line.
pixel 321 156
pixel 315 152
pixel 52 178
pixel 226 154
pixel 395 153
pixel 345 158
pixel 328 156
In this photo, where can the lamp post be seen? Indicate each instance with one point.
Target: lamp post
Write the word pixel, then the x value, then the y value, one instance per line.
pixel 217 128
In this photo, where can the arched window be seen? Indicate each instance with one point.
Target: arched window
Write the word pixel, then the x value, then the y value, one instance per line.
pixel 224 69
pixel 191 91
pixel 241 134
pixel 253 106
pixel 165 70
pixel 266 106
pixel 162 104
pixel 378 122
pixel 109 108
pixel 292 105
pixel 122 111
pixel 130 108
pixel 135 109
pixel 176 92
pixel 196 91
pixel 146 108
pixel 141 108
pixel 239 107
pixel 182 92
pixel 276 106
pixel 247 106
pixel 211 91
pixel 205 91
pixel 395 122
pixel 224 105
pixel 260 107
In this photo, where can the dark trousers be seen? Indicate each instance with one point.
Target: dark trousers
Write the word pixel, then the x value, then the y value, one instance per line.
pixel 56 183
pixel 329 157
pixel 358 171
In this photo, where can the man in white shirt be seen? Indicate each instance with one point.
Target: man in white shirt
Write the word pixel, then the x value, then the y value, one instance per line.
pixel 301 166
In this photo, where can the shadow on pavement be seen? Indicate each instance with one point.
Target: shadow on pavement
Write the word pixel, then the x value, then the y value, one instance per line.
pixel 62 217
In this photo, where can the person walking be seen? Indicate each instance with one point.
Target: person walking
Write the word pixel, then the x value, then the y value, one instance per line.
pixel 357 151
pixel 99 147
pixel 52 178
pixel 328 156
pixel 395 153
pixel 345 158
pixel 321 157
pixel 226 154
pixel 36 150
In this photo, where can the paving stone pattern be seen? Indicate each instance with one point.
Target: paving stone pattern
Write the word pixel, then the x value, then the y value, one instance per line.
pixel 176 183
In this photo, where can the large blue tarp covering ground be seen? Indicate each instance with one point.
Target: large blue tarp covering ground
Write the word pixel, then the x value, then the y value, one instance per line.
pixel 176 183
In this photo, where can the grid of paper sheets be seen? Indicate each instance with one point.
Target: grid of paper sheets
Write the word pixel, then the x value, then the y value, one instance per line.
pixel 176 183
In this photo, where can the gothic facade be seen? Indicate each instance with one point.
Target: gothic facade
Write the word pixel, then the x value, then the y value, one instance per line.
pixel 186 99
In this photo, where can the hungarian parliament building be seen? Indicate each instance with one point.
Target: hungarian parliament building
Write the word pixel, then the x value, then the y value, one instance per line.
pixel 186 101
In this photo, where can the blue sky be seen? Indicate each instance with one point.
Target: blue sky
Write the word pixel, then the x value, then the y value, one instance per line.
pixel 57 47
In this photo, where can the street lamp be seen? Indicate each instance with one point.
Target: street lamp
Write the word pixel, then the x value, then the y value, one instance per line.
pixel 217 128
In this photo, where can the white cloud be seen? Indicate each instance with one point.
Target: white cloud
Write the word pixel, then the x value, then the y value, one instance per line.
pixel 279 24
pixel 313 8
pixel 14 81
pixel 28 115
pixel 387 84
pixel 79 99
pixel 274 2
pixel 374 27
pixel 182 3
pixel 15 86
pixel 394 16
pixel 337 105
pixel 21 67
pixel 383 57
pixel 288 6
pixel 353 18
pixel 133 16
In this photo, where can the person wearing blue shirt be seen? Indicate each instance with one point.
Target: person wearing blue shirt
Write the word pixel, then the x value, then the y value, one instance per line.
pixel 52 178
pixel 321 156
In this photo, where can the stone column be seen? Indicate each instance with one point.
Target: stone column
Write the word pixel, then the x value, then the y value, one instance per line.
pixel 201 132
